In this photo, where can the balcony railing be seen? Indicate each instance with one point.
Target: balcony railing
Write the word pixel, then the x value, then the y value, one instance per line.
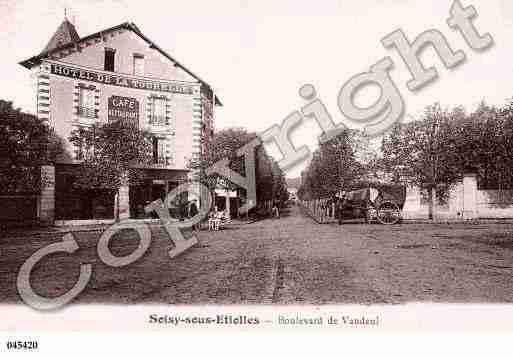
pixel 87 112
pixel 162 161
pixel 158 120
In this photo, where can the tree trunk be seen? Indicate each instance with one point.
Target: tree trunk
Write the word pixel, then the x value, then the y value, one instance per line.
pixel 431 202
pixel 116 206
pixel 227 203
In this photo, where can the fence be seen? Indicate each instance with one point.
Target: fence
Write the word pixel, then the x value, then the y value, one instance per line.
pixel 321 210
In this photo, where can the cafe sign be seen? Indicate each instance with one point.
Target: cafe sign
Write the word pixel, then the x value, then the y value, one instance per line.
pixel 125 109
pixel 119 80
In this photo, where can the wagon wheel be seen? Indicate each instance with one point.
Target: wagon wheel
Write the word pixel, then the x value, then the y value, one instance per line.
pixel 388 213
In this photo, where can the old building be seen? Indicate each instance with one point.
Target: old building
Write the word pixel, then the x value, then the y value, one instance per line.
pixel 119 73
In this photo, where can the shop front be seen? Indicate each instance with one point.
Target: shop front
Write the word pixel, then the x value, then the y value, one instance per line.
pixel 157 185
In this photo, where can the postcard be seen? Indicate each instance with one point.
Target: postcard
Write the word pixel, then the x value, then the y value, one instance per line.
pixel 338 167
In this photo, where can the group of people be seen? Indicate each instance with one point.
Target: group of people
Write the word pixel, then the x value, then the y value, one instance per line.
pixel 216 218
pixel 187 210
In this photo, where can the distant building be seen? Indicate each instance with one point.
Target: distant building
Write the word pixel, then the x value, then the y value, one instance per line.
pixel 292 193
pixel 120 74
pixel 293 185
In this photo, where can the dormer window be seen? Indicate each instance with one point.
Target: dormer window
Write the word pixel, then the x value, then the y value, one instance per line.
pixel 110 56
pixel 138 65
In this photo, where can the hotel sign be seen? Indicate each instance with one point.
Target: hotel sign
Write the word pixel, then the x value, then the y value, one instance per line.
pixel 125 109
pixel 119 80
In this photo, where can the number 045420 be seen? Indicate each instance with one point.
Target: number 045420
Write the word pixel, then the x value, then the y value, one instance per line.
pixel 22 345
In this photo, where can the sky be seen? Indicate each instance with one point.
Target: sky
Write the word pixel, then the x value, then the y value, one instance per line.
pixel 257 54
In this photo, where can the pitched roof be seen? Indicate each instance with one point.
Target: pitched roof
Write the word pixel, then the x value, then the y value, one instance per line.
pixel 34 60
pixel 65 34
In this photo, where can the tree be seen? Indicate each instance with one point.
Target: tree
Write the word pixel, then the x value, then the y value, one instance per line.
pixel 367 153
pixel 110 152
pixel 484 144
pixel 224 144
pixel 424 153
pixel 334 167
pixel 279 184
pixel 270 180
pixel 26 143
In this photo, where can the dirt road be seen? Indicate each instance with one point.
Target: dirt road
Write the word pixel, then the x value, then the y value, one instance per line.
pixel 291 260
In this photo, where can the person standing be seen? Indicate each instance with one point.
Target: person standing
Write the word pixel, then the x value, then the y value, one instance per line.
pixel 275 210
pixel 341 204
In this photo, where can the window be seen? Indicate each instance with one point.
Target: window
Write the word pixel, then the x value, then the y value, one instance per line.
pixel 110 55
pixel 86 102
pixel 159 151
pixel 158 113
pixel 138 65
pixel 155 143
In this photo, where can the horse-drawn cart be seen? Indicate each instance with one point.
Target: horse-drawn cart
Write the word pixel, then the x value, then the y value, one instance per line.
pixel 370 204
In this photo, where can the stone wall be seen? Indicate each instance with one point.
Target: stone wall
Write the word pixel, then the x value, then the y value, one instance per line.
pixel 465 202
pixel 495 203
pixel 46 200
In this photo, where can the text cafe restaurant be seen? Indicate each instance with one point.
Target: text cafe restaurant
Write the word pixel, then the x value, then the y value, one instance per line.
pixel 118 74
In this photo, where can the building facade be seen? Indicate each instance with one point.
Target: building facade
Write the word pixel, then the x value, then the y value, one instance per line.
pixel 120 74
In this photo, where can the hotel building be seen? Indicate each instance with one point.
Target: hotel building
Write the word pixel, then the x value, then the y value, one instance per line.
pixel 118 73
